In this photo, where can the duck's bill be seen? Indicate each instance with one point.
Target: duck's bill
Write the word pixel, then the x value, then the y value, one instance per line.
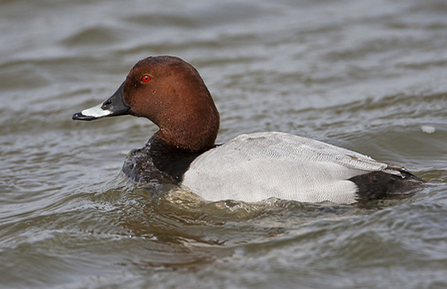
pixel 113 106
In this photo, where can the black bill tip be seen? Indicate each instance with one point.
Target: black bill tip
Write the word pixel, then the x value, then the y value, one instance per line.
pixel 80 116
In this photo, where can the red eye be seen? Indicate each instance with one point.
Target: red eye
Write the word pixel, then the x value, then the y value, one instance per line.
pixel 146 78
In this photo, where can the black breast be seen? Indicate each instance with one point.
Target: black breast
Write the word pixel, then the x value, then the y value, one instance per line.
pixel 157 161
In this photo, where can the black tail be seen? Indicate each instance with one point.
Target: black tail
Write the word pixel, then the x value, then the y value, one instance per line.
pixel 379 185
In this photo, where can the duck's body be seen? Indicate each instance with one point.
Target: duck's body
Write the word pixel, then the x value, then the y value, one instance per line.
pixel 258 166
pixel 249 168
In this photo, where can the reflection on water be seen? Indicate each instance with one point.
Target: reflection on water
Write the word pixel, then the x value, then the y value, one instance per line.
pixel 367 78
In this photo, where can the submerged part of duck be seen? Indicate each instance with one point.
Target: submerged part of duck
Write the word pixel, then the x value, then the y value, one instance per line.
pixel 253 167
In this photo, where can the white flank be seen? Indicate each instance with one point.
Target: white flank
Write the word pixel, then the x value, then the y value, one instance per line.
pixel 258 166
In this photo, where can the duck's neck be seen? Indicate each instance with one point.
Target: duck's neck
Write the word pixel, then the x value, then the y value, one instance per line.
pixel 188 141
pixel 192 132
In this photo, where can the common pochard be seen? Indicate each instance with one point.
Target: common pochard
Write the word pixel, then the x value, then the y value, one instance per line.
pixel 251 167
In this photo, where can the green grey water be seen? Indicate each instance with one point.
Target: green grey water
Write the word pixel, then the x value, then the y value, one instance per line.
pixel 366 75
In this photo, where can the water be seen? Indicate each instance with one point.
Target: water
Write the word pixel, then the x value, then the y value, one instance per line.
pixel 368 76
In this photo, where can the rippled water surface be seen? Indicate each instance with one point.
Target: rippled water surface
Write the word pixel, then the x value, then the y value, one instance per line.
pixel 367 75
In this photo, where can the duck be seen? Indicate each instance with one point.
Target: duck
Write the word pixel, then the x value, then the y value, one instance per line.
pixel 250 167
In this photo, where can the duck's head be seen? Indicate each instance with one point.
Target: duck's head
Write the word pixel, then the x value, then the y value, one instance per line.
pixel 169 92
